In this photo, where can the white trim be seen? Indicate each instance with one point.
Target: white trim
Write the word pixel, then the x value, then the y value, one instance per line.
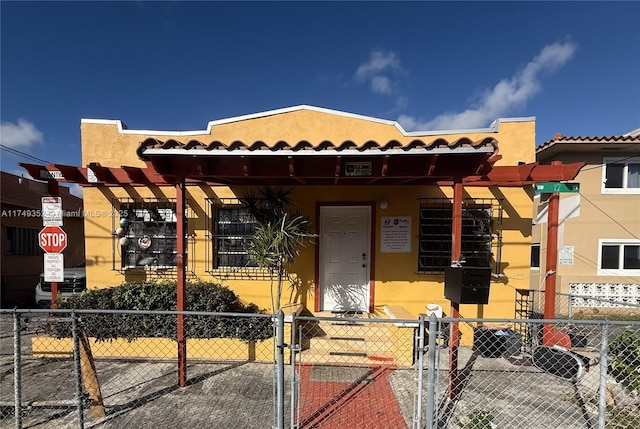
pixel 619 271
pixel 122 129
pixel 618 191
pixel 325 152
pixel 539 254
pixel 493 128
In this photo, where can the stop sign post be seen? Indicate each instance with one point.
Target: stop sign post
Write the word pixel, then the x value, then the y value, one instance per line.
pixel 53 240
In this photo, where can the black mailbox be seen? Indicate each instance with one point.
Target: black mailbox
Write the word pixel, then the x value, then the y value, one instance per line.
pixel 467 285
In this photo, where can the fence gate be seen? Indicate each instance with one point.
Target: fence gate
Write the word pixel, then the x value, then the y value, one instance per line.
pixel 355 371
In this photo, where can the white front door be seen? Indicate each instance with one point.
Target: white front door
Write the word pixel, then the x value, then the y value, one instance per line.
pixel 345 244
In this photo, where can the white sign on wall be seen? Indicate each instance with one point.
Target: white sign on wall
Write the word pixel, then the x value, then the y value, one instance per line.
pixel 565 256
pixel 395 234
pixel 52 211
pixel 54 267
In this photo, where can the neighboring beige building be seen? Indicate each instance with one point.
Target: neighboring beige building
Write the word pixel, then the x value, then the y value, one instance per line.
pixel 599 227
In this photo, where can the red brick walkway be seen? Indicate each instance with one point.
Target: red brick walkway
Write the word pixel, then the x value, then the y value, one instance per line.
pixel 367 402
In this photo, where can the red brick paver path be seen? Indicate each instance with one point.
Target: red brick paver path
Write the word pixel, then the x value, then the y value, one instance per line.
pixel 367 402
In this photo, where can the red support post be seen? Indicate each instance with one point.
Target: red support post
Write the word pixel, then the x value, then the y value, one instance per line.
pixel 181 286
pixel 456 252
pixel 551 266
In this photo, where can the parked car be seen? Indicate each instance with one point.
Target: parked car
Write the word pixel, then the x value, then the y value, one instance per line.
pixel 75 281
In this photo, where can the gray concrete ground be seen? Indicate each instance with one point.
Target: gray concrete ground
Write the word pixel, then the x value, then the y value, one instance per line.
pixel 239 395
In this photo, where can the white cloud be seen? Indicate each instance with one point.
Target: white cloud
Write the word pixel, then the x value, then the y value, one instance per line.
pixel 20 135
pixel 377 70
pixel 381 84
pixel 504 97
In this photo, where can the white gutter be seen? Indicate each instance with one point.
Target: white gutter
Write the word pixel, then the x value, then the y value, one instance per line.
pixel 325 152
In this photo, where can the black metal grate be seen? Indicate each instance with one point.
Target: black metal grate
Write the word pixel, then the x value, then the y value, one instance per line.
pixel 481 233
pixel 148 227
pixel 232 226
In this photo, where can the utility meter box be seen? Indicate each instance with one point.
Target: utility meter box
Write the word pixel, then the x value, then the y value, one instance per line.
pixel 467 285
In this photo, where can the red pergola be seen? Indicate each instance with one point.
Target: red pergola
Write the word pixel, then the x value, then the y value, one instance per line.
pixel 459 164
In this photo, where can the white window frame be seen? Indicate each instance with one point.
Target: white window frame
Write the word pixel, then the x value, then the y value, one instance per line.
pixel 619 160
pixel 619 271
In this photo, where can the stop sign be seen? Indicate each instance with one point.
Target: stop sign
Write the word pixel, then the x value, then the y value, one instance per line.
pixel 52 239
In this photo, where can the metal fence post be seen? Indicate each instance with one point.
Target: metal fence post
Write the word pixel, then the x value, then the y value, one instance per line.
pixel 295 348
pixel 417 418
pixel 280 371
pixel 17 374
pixel 431 372
pixel 77 368
pixel 602 391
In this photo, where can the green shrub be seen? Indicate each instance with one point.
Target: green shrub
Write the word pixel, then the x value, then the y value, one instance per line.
pixel 625 350
pixel 205 297
pixel 478 419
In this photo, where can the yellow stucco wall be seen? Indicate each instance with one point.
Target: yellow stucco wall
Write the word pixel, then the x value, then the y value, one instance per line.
pixel 396 281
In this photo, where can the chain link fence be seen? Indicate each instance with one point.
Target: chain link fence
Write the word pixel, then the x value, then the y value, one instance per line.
pixel 604 301
pixel 65 369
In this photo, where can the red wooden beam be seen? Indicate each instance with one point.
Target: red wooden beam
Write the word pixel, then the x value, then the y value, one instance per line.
pixel 385 165
pixel 551 267
pixel 181 281
pixel 431 165
pixel 556 172
pixel 70 174
pixel 456 252
pixel 136 175
pixel 292 171
pixel 33 170
pixel 103 174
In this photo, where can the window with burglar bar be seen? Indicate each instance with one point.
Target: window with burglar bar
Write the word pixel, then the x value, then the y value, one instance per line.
pixel 481 233
pixel 233 226
pixel 146 233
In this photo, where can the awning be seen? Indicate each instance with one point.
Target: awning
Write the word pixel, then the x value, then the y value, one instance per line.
pixel 420 162
pixel 97 175
pixel 323 163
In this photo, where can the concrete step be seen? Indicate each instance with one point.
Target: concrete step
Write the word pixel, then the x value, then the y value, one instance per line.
pixel 338 329
pixel 345 358
pixel 349 344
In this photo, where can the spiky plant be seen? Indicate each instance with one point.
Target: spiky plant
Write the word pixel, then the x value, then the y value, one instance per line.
pixel 281 234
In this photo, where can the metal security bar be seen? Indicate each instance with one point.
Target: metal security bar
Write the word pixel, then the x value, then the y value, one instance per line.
pixel 144 236
pixel 481 233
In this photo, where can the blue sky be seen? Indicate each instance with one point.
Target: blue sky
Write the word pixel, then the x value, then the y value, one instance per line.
pixel 575 66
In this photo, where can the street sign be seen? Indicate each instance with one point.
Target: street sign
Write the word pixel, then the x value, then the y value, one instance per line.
pixel 46 174
pixel 553 187
pixel 53 267
pixel 51 211
pixel 52 239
